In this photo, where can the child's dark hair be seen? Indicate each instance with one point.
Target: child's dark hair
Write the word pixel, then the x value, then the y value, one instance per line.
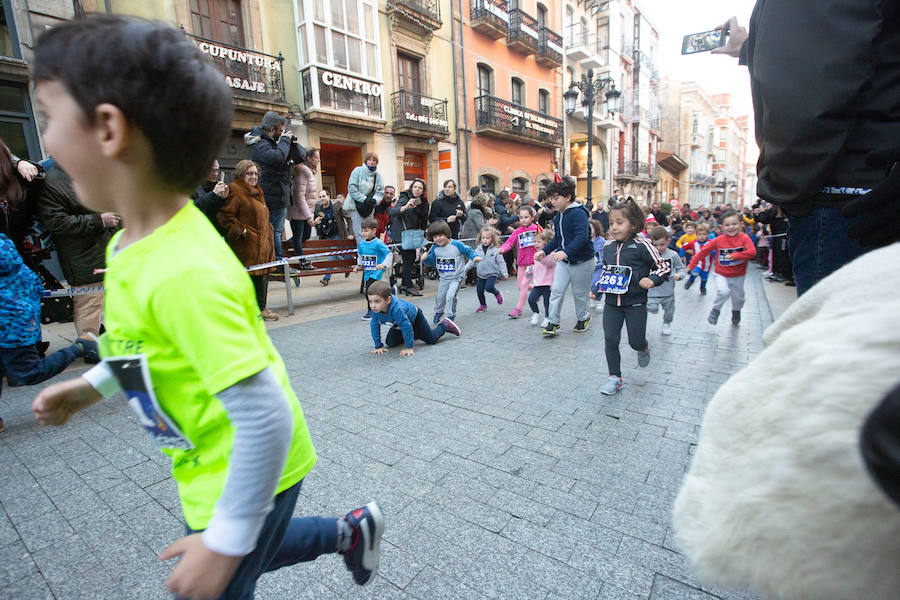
pixel 438 228
pixel 369 223
pixel 163 84
pixel 730 213
pixel 596 228
pixel 379 288
pixel 659 233
pixel 527 208
pixel 564 188
pixel 633 212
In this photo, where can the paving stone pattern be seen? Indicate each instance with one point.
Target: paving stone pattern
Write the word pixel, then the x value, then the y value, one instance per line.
pixel 503 472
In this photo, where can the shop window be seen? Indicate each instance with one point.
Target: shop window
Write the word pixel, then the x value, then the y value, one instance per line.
pixel 520 185
pixel 488 184
pixel 544 102
pixel 485 83
pixel 517 87
pixel 219 20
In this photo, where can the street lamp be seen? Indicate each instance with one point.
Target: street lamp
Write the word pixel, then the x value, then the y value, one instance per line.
pixel 591 89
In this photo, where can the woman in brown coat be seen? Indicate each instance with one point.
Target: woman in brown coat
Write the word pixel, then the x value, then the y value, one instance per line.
pixel 245 221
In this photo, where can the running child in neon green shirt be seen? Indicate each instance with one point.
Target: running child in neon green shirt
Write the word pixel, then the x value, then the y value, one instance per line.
pixel 185 340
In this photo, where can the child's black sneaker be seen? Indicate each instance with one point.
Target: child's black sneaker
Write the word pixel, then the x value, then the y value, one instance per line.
pixel 438 317
pixel 735 317
pixel 361 558
pixel 551 329
pixel 713 316
pixel 702 291
pixel 582 326
pixel 688 283
pixel 367 316
pixel 89 350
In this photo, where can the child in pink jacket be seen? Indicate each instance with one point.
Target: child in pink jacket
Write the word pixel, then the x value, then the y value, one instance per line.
pixel 542 279
pixel 524 237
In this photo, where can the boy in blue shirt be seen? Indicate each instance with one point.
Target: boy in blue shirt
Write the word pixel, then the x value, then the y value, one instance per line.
pixel 372 256
pixel 407 322
pixel 452 259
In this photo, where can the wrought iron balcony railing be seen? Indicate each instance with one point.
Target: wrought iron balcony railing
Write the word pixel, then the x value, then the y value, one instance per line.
pixel 425 13
pixel 701 179
pixel 501 118
pixel 636 169
pixel 490 17
pixel 419 113
pixel 523 32
pixel 251 75
pixel 550 51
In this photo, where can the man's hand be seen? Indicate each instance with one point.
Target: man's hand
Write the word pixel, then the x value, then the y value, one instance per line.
pixel 317 220
pixel 877 214
pixel 451 218
pixel 407 352
pixel 201 574
pixel 381 350
pixel 110 219
pixel 646 283
pixel 559 255
pixel 737 35
pixel 459 213
pixel 539 256
pixel 311 222
pixel 56 403
pixel 27 170
pixel 221 189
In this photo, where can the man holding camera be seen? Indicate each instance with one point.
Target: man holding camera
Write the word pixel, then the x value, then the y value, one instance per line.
pixel 274 151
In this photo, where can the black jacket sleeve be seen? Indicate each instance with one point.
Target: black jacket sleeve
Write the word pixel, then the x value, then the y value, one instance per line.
pixel 54 210
pixel 210 203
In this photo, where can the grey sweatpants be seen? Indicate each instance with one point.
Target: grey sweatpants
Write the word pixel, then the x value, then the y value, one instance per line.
pixel 447 290
pixel 729 287
pixel 668 306
pixel 580 277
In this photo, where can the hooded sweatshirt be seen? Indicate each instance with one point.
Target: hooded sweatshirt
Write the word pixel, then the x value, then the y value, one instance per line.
pixel 492 263
pixel 573 234
pixel 20 299
pixel 524 238
pixel 667 287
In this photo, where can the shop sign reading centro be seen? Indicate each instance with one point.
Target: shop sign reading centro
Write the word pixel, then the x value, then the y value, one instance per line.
pixel 352 84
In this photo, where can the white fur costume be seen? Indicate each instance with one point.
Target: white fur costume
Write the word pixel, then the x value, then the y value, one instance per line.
pixel 777 498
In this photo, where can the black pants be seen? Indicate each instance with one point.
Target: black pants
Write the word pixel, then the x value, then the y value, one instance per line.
pixel 301 231
pixel 261 287
pixel 483 285
pixel 540 291
pixel 408 268
pixel 635 319
pixel 421 331
pixel 366 285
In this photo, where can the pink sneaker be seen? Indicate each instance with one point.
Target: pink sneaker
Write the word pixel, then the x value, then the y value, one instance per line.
pixel 515 314
pixel 499 298
pixel 481 308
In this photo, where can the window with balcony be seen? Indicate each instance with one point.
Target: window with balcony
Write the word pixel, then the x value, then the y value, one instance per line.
pixel 218 20
pixel 517 91
pixel 542 15
pixel 409 70
pixel 344 35
pixel 603 35
pixel 485 84
pixel 544 102
pixel 568 26
pixel 520 185
pixel 488 183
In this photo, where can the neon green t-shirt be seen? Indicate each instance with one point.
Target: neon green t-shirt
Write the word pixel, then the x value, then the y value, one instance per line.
pixel 182 309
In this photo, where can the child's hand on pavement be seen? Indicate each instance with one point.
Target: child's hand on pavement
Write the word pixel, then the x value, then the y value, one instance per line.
pixel 381 350
pixel 646 283
pixel 407 352
pixel 56 403
pixel 201 574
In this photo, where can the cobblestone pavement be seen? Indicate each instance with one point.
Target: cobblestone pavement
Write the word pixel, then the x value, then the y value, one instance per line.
pixel 502 470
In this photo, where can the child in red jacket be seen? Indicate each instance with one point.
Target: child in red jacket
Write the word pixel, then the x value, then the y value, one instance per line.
pixel 733 249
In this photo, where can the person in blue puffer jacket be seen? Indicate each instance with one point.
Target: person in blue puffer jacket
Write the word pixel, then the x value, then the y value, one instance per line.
pixel 20 326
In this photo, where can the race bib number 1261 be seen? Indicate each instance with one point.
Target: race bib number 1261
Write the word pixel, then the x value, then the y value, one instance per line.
pixel 614 279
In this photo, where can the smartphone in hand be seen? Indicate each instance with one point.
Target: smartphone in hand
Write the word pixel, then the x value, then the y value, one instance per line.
pixel 704 41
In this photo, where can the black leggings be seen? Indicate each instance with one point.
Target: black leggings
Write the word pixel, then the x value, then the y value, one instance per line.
pixel 485 285
pixel 635 319
pixel 540 291
pixel 421 331
pixel 261 287
pixel 408 268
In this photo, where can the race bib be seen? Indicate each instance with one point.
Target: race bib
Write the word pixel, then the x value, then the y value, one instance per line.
pixel 133 376
pixel 614 279
pixel 446 265
pixel 725 256
pixel 368 261
pixel 526 239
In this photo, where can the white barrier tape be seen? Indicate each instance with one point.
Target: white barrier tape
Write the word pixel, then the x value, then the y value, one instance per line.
pixel 74 291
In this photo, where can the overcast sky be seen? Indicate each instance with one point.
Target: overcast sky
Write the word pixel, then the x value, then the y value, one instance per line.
pixel 715 73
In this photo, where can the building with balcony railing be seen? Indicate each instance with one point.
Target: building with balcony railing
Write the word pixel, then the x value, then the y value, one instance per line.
pixel 415 114
pixel 424 14
pixel 500 118
pixel 550 51
pixel 523 36
pixel 490 17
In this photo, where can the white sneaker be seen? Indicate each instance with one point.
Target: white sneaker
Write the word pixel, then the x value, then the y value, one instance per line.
pixel 545 322
pixel 666 329
pixel 535 318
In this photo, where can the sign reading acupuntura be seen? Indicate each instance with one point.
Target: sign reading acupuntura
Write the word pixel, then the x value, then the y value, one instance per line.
pixel 251 74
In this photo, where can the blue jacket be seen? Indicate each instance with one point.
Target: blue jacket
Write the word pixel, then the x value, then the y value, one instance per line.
pixel 365 250
pixel 572 234
pixel 20 299
pixel 400 314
